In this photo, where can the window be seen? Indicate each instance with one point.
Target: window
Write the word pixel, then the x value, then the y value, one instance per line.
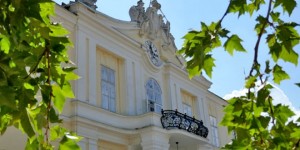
pixel 214 131
pixel 108 89
pixel 187 109
pixel 110 79
pixel 153 95
pixel 188 104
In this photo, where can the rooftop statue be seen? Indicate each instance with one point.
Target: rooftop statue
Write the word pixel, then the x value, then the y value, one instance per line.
pixel 154 21
pixel 151 22
pixel 137 13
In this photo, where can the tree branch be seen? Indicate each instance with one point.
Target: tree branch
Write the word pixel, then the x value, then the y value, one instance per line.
pixel 49 106
pixel 255 61
pixel 36 65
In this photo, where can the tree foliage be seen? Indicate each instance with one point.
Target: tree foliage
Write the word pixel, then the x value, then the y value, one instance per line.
pixel 256 121
pixel 34 73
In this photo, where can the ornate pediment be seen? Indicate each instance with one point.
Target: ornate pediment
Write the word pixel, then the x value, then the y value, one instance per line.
pixel 151 22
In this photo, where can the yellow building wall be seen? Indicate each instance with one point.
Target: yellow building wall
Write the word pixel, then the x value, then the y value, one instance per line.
pixel 114 62
pixel 215 109
pixel 106 145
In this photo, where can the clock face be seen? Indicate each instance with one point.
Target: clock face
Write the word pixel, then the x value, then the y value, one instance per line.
pixel 153 53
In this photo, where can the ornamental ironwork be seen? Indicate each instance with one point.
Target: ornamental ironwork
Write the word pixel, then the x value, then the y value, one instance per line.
pixel 171 119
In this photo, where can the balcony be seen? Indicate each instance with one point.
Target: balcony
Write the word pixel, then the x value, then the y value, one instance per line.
pixel 171 119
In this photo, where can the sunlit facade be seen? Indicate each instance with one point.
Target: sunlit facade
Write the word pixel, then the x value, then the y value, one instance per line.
pixel 134 92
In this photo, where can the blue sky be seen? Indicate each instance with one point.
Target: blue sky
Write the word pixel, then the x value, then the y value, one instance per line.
pixel 230 71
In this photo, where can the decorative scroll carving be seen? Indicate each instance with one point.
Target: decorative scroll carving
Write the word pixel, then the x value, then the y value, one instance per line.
pixel 152 24
pixel 171 119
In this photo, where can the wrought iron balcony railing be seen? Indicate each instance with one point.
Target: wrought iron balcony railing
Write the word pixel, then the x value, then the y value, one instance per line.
pixel 171 119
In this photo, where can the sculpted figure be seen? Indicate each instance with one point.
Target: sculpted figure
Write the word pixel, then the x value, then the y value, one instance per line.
pixel 137 13
pixel 166 27
pixel 154 20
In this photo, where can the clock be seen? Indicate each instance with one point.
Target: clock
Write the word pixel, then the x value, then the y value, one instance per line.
pixel 153 54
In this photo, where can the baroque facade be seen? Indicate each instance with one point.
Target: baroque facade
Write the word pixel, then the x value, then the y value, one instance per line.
pixel 134 92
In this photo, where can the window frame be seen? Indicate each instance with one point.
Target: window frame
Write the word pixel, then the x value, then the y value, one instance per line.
pixel 215 131
pixel 152 87
pixel 109 82
pixel 190 100
pixel 188 111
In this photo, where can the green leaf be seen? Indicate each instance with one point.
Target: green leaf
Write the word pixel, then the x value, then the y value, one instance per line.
pixel 11 8
pixel 69 142
pixel 32 145
pixel 250 82
pixel 289 56
pixel 46 9
pixel 5 120
pixel 275 16
pixel 279 74
pixel 4 44
pixel 282 113
pixel 26 125
pixel 258 111
pixel 53 116
pixel 287 5
pixel 265 121
pixel 57 132
pixel 208 65
pixel 37 118
pixel 223 32
pixel 298 84
pixel 238 6
pixel 28 86
pixel 12 64
pixel 234 43
pixel 296 133
pixel 59 98
pixel 263 94
pixel 267 69
pixel 193 72
pixel 68 92
pixel 58 30
pixel 7 97
pixel 71 76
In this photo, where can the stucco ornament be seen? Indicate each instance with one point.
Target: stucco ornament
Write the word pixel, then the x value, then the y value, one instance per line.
pixel 137 13
pixel 154 21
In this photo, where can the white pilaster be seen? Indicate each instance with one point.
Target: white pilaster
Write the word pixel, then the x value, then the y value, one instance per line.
pixel 83 144
pixel 81 53
pixel 173 95
pixel 201 111
pixel 178 98
pixel 92 65
pixel 93 144
pixel 140 89
pixel 131 98
pixel 206 119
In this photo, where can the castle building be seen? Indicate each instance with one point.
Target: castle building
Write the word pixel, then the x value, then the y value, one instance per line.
pixel 134 92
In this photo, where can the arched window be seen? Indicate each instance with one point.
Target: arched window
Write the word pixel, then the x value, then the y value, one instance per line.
pixel 153 96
